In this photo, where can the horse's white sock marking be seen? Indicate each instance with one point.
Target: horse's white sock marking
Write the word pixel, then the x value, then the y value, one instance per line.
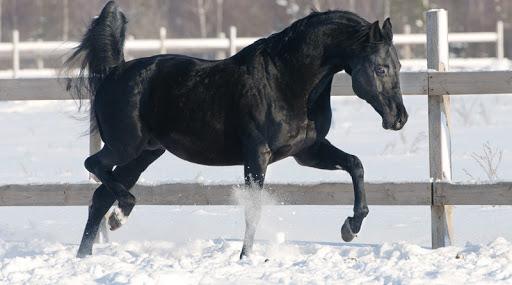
pixel 120 215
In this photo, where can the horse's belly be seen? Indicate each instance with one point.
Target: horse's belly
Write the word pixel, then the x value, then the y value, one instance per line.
pixel 211 151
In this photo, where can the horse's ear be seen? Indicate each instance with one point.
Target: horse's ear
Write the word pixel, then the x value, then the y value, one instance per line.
pixel 375 33
pixel 387 30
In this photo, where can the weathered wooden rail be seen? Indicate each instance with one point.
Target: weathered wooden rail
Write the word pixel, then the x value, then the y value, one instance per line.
pixel 438 83
pixel 387 194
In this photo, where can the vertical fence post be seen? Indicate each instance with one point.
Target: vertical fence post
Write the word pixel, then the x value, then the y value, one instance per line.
pixel 15 53
pixel 232 40
pixel 39 57
pixel 127 54
pixel 500 41
pixel 221 54
pixel 439 126
pixel 163 37
pixel 407 48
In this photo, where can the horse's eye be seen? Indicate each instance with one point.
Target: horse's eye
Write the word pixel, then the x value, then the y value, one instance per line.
pixel 380 71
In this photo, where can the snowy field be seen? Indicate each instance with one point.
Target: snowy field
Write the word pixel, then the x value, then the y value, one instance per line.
pixel 44 142
pixel 216 262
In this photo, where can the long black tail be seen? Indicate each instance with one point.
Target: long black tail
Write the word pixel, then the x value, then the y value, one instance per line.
pixel 100 50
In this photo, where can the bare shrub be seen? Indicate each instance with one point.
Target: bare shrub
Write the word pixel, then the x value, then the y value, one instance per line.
pixel 489 161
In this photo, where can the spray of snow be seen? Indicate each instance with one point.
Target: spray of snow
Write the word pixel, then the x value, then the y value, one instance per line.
pixel 247 197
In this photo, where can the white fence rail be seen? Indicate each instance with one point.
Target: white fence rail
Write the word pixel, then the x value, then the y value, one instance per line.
pixel 223 45
pixel 438 84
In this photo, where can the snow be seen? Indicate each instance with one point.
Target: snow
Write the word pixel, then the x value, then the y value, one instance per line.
pixel 44 142
pixel 216 262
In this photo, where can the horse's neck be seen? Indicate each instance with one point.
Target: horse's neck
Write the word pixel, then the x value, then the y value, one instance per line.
pixel 308 76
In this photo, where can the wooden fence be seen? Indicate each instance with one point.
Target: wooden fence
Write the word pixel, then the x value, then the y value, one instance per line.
pixel 438 84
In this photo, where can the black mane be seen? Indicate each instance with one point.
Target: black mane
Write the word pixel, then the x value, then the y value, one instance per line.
pixel 356 36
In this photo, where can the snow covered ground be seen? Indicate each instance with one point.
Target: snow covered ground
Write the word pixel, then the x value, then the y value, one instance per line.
pixel 44 142
pixel 216 262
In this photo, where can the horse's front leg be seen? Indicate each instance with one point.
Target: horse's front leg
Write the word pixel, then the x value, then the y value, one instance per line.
pixel 256 159
pixel 323 155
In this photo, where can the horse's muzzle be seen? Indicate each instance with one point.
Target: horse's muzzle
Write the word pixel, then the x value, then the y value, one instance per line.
pixel 401 119
pixel 399 122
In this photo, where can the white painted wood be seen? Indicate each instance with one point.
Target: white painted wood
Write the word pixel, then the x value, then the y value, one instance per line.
pixel 500 41
pixel 409 39
pixel 39 59
pixel 406 50
pixel 58 48
pixel 482 37
pixel 163 37
pixel 439 125
pixel 243 42
pixel 232 41
pixel 221 54
pixel 15 53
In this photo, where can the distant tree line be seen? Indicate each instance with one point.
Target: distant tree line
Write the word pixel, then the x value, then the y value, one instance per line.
pixel 67 19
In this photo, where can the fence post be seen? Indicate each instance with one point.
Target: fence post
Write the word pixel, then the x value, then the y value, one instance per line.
pixel 407 48
pixel 163 37
pixel 232 40
pixel 127 54
pixel 221 54
pixel 39 59
pixel 15 53
pixel 439 126
pixel 500 41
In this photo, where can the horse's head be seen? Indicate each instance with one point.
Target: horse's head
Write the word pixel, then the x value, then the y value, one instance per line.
pixel 375 76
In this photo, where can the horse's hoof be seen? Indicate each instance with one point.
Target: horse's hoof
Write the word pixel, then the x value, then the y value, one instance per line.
pixel 80 254
pixel 346 232
pixel 116 219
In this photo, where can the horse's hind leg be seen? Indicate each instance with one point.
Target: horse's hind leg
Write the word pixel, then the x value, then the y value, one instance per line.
pixel 103 199
pixel 101 165
pixel 323 155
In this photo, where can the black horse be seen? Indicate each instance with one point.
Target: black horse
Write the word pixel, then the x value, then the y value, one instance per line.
pixel 268 102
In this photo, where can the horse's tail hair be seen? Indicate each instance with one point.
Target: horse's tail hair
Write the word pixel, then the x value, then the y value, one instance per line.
pixel 100 50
